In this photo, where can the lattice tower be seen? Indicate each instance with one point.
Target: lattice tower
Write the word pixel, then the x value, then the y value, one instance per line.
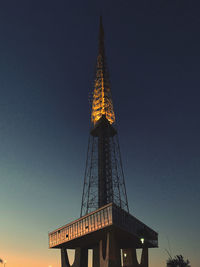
pixel 104 178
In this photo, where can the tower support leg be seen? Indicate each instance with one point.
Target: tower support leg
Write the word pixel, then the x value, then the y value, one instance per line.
pixel 80 258
pixel 109 255
pixel 64 258
pixel 145 257
pixel 96 260
pixel 130 258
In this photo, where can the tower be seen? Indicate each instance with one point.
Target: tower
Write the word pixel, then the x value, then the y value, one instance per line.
pixel 105 224
pixel 104 179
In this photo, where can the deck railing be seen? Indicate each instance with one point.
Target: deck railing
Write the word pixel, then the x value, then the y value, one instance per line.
pixel 86 224
pixel 96 220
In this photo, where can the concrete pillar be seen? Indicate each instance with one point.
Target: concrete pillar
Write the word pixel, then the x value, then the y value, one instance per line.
pixel 130 258
pixel 80 258
pixel 145 258
pixel 96 260
pixel 112 252
pixel 64 258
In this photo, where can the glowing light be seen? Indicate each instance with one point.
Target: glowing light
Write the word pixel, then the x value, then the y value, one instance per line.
pixel 142 240
pixel 125 255
pixel 102 101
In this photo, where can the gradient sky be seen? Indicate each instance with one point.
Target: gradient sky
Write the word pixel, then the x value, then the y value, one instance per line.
pixel 48 52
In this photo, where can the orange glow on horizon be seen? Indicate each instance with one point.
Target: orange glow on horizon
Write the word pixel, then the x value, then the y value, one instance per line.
pixel 20 259
pixel 30 259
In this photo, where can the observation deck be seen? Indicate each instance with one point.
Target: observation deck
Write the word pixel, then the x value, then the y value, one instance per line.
pixel 89 229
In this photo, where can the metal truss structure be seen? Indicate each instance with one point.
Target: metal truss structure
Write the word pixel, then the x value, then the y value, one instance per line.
pixel 104 178
pixel 115 183
pixel 102 100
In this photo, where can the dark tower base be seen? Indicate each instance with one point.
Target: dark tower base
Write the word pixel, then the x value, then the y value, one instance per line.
pixel 112 233
pixel 106 254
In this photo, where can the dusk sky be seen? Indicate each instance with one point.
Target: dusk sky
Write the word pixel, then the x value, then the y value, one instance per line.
pixel 48 54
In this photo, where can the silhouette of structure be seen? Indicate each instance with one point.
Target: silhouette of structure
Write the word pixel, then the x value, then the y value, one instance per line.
pixel 104 179
pixel 105 224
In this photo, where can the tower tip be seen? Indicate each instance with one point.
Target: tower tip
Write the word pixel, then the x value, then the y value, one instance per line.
pixel 102 101
pixel 101 36
pixel 100 19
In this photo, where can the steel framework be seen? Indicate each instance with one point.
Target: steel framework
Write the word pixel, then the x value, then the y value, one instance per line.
pixel 104 178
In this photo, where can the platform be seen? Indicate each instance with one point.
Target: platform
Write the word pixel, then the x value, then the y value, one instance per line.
pixel 89 229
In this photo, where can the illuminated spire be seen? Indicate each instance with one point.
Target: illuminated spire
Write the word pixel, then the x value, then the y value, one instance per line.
pixel 102 100
pixel 104 178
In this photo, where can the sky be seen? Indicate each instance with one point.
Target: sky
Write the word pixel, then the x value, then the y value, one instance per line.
pixel 48 53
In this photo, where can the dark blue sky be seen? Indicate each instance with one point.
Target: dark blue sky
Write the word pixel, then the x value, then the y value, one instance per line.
pixel 48 53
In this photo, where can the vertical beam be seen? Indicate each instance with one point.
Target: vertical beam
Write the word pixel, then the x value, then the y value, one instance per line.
pixel 64 258
pixel 145 257
pixel 105 188
pixel 102 191
pixel 112 251
pixel 130 258
pixel 95 259
pixel 80 258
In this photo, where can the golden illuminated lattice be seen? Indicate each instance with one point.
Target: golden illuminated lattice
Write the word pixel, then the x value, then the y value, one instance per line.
pixel 102 101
